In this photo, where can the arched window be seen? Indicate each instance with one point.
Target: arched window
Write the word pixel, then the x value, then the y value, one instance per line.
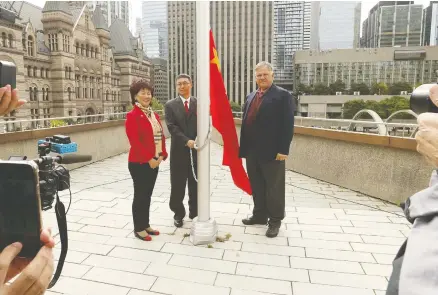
pixel 77 48
pixel 47 73
pixel 82 49
pixel 29 71
pixel 44 93
pixel 69 72
pixel 69 93
pixel 43 72
pixel 35 71
pixel 11 40
pixel 30 94
pixel 4 39
pixel 47 93
pixel 35 94
pixel 66 72
pixel 107 95
pixel 30 45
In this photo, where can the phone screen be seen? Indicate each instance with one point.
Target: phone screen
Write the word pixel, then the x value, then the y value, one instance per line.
pixel 19 208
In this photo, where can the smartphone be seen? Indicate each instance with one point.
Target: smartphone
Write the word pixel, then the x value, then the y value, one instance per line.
pixel 8 74
pixel 20 206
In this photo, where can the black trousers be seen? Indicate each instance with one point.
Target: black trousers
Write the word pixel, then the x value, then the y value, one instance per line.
pixel 181 174
pixel 144 178
pixel 267 180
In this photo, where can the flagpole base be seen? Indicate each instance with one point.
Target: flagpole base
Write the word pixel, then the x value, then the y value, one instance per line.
pixel 203 232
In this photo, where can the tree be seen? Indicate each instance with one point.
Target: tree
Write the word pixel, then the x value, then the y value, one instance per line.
pixel 361 87
pixel 235 107
pixel 321 89
pixel 337 86
pixel 156 105
pixel 303 89
pixel 379 88
pixel 397 88
pixel 393 104
pixel 351 107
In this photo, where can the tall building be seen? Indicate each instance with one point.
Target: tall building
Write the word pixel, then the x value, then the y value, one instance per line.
pixel 111 10
pixel 182 42
pixel 69 61
pixel 154 28
pixel 393 23
pixel 161 80
pixel 138 30
pixel 289 36
pixel 430 24
pixel 339 24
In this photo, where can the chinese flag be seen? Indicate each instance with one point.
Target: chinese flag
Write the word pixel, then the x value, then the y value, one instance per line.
pixel 223 121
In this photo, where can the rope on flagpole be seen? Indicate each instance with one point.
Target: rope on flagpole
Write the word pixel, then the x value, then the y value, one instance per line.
pixel 198 148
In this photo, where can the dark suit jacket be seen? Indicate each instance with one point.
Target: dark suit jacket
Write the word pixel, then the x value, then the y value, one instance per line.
pixel 274 123
pixel 182 128
pixel 141 137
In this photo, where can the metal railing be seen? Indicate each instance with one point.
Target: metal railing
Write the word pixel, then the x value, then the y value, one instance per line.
pixel 400 129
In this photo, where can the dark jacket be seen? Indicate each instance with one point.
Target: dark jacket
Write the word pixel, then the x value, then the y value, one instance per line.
pixel 274 124
pixel 415 266
pixel 182 127
pixel 141 137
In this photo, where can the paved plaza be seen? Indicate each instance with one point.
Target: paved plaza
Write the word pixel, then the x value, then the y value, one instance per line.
pixel 328 244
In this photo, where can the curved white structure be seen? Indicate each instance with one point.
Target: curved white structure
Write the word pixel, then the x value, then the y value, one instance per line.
pixel 376 118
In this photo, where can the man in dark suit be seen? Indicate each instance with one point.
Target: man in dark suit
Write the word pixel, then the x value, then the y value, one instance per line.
pixel 265 138
pixel 181 121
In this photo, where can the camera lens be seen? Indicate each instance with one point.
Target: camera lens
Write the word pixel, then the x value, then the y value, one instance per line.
pixel 420 101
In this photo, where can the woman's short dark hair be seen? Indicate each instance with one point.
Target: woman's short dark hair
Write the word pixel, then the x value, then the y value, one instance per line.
pixel 138 85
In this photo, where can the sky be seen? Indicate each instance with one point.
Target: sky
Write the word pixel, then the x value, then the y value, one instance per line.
pixel 136 8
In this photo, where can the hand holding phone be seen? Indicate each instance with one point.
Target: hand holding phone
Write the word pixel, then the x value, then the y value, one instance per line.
pixel 9 100
pixel 34 274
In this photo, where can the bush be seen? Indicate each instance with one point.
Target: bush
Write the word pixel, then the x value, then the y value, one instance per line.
pixel 58 123
pixel 235 107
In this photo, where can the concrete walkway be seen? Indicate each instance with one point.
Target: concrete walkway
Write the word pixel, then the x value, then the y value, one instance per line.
pixel 327 244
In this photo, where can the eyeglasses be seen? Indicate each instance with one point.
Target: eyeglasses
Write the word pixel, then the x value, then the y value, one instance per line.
pixel 182 84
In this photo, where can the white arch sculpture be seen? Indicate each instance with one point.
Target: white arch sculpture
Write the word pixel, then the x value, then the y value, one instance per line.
pixel 381 127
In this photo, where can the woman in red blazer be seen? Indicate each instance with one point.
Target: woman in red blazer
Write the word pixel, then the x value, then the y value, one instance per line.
pixel 148 150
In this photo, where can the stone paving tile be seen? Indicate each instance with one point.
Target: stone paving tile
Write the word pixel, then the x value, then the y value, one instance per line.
pixel 327 244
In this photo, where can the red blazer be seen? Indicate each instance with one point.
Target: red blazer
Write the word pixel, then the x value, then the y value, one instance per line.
pixel 141 137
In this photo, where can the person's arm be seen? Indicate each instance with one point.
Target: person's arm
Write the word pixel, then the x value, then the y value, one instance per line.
pixel 173 127
pixel 164 154
pixel 287 124
pixel 9 100
pixel 132 131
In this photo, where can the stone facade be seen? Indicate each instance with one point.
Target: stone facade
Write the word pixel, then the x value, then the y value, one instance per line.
pixel 70 63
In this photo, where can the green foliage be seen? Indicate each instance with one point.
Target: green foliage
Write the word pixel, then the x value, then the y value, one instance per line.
pixel 396 88
pixel 235 107
pixel 361 87
pixel 156 105
pixel 337 86
pixel 384 107
pixel 379 88
pixel 321 89
pixel 58 123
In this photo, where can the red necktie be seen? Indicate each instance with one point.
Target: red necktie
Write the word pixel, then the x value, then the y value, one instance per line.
pixel 186 106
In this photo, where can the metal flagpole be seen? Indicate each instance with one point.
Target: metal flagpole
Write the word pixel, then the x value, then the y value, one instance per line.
pixel 204 228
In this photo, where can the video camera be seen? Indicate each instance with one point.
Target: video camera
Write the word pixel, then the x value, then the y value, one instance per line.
pixel 29 186
pixel 420 101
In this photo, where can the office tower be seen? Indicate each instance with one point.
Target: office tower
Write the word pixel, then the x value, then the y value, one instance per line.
pixel 138 27
pixel 339 24
pixel 290 34
pixel 111 9
pixel 430 24
pixel 393 23
pixel 154 28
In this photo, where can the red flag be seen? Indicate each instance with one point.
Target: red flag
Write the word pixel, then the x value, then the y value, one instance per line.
pixel 223 121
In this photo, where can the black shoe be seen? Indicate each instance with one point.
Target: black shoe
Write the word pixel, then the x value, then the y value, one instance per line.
pixel 178 222
pixel 272 231
pixel 252 221
pixel 193 216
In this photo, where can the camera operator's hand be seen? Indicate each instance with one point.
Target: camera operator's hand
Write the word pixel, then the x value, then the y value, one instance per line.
pixel 34 275
pixel 427 137
pixel 9 100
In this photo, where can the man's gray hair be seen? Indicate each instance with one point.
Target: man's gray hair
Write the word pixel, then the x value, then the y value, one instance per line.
pixel 264 64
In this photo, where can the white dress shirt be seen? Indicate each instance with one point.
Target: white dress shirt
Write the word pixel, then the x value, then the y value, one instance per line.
pixel 184 100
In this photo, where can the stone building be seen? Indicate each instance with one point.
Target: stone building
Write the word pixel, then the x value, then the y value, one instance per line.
pixel 69 62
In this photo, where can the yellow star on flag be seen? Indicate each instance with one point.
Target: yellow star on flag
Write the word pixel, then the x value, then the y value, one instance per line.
pixel 215 59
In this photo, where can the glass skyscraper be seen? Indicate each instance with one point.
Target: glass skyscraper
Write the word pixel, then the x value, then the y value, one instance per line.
pixel 155 28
